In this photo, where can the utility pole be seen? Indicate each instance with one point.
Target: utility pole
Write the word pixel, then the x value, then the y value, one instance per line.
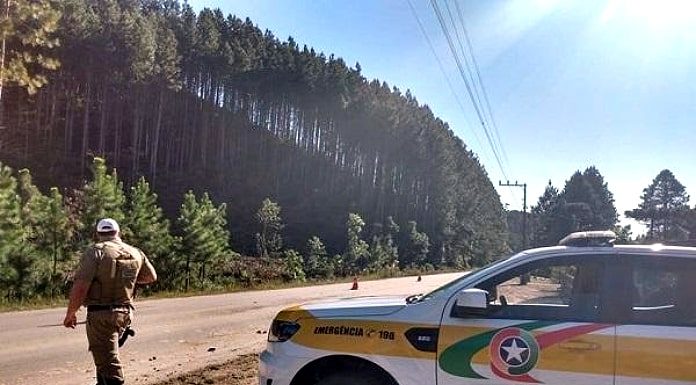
pixel 524 209
pixel 524 279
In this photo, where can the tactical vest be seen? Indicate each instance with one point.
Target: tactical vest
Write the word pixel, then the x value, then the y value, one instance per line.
pixel 117 272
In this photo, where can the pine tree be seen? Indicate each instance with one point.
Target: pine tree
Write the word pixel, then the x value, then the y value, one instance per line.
pixel 541 216
pixel 150 230
pixel 32 204
pixel 27 32
pixel 58 235
pixel 10 222
pixel 390 246
pixel 357 252
pixel 15 254
pixel 48 230
pixel 204 233
pixel 604 212
pixel 383 253
pixel 515 220
pixel 269 240
pixel 34 218
pixel 623 235
pixel 166 76
pixel 377 254
pixel 317 262
pixel 417 246
pixel 664 206
pixel 293 270
pixel 23 277
pixel 103 198
pixel 584 204
pixel 690 222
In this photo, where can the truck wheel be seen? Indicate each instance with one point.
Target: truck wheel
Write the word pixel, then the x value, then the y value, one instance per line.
pixel 350 378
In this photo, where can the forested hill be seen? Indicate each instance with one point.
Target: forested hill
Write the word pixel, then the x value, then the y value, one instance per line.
pixel 212 103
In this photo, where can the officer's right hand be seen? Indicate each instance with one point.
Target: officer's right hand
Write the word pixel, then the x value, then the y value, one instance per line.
pixel 70 320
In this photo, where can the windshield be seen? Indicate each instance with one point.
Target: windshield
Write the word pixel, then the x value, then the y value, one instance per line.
pixel 468 274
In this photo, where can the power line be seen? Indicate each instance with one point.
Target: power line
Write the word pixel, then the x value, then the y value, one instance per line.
pixel 451 86
pixel 475 85
pixel 457 60
pixel 444 72
pixel 478 75
pixel 466 60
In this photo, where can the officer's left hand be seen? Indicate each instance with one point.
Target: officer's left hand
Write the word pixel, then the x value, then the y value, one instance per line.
pixel 70 320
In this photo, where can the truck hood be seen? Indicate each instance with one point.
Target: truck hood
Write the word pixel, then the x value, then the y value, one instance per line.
pixel 360 306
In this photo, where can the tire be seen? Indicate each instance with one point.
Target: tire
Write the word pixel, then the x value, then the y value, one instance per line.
pixel 352 378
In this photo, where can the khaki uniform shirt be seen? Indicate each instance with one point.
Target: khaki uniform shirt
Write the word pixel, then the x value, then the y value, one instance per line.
pixel 112 267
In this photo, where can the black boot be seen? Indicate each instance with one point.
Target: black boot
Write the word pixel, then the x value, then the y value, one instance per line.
pixel 101 380
pixel 113 381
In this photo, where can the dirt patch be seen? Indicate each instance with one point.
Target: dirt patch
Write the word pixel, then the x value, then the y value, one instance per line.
pixel 242 370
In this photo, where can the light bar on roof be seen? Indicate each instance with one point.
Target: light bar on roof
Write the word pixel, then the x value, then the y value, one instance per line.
pixel 589 239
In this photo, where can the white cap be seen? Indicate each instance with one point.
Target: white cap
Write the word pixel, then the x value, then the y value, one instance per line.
pixel 107 225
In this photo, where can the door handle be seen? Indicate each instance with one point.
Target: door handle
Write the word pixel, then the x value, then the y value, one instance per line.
pixel 579 345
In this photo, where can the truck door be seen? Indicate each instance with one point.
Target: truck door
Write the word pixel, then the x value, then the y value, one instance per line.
pixel 656 341
pixel 548 330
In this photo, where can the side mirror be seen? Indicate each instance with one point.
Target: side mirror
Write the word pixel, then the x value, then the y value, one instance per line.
pixel 470 303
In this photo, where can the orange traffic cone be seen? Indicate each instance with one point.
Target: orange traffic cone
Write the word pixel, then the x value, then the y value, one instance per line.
pixel 355 284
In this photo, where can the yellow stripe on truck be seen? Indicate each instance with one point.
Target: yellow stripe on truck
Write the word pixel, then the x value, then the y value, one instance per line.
pixel 359 337
pixel 656 358
pixel 571 356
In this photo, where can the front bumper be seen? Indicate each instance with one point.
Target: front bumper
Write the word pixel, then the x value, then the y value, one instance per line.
pixel 277 367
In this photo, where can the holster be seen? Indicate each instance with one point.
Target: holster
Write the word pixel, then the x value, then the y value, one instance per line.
pixel 127 332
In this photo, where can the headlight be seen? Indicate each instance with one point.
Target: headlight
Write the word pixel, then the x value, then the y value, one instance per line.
pixel 282 331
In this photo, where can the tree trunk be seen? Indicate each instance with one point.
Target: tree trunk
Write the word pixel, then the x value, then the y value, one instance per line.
pixel 135 135
pixel 103 121
pixel 68 133
pixel 3 53
pixel 85 126
pixel 203 136
pixel 27 131
pixel 188 272
pixel 222 145
pixel 155 139
pixel 117 131
pixel 52 118
pixel 201 275
pixel 55 264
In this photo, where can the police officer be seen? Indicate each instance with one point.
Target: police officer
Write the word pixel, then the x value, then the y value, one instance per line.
pixel 104 282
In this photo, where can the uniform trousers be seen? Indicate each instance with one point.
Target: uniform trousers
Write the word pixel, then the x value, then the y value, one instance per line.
pixel 104 327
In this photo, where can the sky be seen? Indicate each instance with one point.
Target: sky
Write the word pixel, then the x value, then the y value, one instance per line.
pixel 571 84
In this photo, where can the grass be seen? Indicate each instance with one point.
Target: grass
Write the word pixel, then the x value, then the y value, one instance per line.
pixel 32 304
pixel 48 303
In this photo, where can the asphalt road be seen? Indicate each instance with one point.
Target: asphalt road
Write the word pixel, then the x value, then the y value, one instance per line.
pixel 173 335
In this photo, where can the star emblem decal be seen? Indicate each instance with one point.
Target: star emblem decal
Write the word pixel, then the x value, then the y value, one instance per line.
pixel 514 351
